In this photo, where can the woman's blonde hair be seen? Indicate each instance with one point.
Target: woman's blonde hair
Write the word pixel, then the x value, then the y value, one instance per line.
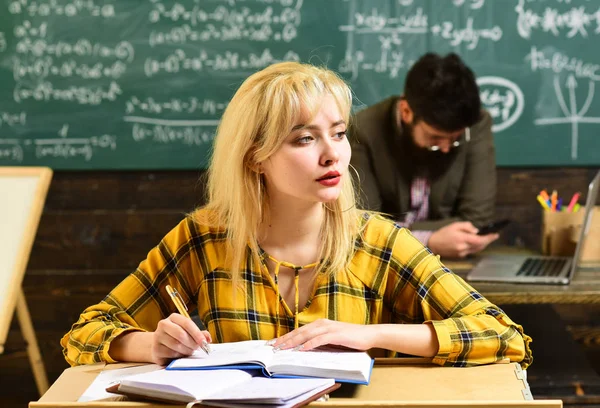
pixel 255 123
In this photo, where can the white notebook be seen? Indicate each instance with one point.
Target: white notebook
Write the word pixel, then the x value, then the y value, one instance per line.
pixel 221 387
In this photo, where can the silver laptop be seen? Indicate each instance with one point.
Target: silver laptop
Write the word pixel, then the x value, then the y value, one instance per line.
pixel 538 269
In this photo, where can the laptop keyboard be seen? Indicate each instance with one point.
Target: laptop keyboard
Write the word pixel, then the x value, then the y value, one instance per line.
pixel 541 267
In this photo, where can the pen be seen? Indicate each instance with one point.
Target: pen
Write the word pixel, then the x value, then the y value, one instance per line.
pixel 544 195
pixel 576 207
pixel 182 308
pixel 573 202
pixel 553 199
pixel 543 203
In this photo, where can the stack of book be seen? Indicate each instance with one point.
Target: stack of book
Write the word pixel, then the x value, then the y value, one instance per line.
pixel 250 372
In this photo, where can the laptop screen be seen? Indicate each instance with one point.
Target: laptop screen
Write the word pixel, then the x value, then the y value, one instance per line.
pixel 590 202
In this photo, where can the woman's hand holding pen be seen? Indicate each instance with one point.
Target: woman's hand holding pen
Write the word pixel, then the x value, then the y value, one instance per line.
pixel 177 336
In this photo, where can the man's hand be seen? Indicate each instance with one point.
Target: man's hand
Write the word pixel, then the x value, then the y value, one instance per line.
pixel 458 240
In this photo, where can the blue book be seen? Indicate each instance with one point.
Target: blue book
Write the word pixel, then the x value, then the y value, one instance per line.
pixel 343 366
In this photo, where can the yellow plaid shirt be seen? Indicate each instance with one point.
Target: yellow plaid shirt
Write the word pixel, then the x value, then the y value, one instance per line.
pixel 392 278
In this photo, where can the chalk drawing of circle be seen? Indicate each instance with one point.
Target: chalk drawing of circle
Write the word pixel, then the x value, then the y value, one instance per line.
pixel 520 99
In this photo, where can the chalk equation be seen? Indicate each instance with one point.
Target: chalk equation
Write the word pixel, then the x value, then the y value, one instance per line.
pixel 61 147
pixel 503 99
pixel 580 20
pixel 201 60
pixel 389 34
pixel 73 8
pixel 150 105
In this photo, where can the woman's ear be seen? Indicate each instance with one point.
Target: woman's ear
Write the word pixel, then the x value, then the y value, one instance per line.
pixel 256 167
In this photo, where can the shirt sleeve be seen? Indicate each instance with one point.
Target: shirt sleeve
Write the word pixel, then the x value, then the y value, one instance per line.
pixel 470 330
pixel 139 302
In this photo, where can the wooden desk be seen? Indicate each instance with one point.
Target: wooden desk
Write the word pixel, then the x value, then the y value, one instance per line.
pixel 412 383
pixel 585 288
pixel 567 374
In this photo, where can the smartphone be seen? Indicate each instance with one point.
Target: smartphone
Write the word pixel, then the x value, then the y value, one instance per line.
pixel 493 227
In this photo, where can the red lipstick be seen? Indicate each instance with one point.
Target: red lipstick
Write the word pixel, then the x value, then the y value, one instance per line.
pixel 330 179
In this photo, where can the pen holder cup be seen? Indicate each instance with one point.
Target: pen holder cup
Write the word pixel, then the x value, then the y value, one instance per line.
pixel 561 231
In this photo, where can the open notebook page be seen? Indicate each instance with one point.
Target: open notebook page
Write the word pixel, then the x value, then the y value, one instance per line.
pixel 305 363
pixel 197 384
pixel 97 389
pixel 242 352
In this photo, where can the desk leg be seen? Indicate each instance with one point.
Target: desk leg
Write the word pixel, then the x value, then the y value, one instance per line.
pixel 33 351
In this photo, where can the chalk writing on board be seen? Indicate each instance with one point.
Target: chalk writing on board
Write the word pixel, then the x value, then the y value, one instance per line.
pixel 225 24
pixel 176 105
pixel 571 68
pixel 474 4
pixel 467 35
pixel 11 149
pixel 391 32
pixel 86 71
pixel 195 15
pixel 85 95
pixel 66 147
pixel 503 99
pixel 46 67
pixel 558 62
pixel 62 147
pixel 572 114
pixel 81 48
pixel 71 9
pixel 171 131
pixel 38 60
pixel 180 61
pixel 574 22
pixel 11 119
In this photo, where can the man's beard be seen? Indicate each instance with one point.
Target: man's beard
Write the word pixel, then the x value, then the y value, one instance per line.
pixel 437 162
pixel 418 153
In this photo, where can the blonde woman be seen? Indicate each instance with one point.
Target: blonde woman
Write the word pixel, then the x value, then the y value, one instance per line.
pixel 281 253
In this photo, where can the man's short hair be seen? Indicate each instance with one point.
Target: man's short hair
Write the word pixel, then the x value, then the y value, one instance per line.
pixel 442 92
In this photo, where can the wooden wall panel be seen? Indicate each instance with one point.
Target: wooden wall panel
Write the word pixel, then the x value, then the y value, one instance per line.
pixel 178 190
pixel 99 239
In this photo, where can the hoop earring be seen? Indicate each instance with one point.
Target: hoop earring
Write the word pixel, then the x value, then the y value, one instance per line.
pixel 355 198
pixel 346 210
pixel 259 188
pixel 355 172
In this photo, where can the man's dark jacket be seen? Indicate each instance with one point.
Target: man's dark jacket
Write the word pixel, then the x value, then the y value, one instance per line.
pixel 463 181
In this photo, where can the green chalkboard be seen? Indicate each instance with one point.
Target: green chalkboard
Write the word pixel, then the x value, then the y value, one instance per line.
pixel 141 84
